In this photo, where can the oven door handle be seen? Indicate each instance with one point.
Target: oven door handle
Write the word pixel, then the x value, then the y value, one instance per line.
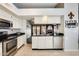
pixel 6 41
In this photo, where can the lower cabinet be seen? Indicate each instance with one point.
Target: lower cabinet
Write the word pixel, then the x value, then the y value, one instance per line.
pixel 58 42
pixel 47 42
pixel 42 42
pixel 20 41
pixel 0 49
pixel 34 42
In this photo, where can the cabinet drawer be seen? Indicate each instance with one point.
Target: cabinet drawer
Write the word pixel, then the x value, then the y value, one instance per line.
pixel 20 41
pixel 58 42
pixel 34 42
pixel 42 42
pixel 0 49
pixel 49 42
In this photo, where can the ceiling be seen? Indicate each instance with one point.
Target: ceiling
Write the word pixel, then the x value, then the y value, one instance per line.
pixel 29 11
pixel 35 5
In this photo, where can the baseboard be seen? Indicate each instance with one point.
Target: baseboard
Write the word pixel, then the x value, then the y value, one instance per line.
pixel 20 47
pixel 46 49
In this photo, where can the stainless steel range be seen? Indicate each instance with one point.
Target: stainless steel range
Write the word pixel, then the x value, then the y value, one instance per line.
pixel 9 42
pixel 8 38
pixel 9 46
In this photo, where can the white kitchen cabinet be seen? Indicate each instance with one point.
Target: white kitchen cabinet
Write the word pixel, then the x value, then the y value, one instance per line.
pixel 54 20
pixel 42 42
pixel 0 49
pixel 38 42
pixel 47 20
pixel 58 42
pixel 38 20
pixel 17 23
pixel 49 42
pixel 34 42
pixel 20 41
pixel 45 42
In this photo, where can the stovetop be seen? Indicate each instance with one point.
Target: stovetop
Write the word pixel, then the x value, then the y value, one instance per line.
pixel 7 35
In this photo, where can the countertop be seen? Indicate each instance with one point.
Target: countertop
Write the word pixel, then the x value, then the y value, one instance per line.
pixel 4 37
pixel 57 34
pixel 16 34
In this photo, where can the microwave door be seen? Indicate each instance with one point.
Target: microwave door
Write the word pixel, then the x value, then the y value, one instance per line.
pixel 5 24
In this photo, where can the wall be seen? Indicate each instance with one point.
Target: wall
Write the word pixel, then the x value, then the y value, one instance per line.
pixel 61 26
pixel 71 34
pixel 24 29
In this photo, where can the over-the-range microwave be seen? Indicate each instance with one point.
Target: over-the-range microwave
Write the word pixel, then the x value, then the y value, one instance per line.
pixel 4 24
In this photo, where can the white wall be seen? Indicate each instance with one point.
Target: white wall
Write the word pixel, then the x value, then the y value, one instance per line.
pixel 71 34
pixel 61 26
pixel 24 29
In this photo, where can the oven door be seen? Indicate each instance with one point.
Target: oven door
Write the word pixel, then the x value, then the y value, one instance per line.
pixel 9 47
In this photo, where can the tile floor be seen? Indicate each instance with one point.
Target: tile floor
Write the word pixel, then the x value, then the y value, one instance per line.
pixel 26 50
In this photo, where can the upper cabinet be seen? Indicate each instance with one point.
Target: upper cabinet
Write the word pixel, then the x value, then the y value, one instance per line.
pixel 17 23
pixel 54 20
pixel 47 20
pixel 37 20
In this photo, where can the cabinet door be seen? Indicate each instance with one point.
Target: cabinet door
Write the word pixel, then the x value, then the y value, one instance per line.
pixel 54 20
pixel 58 42
pixel 49 42
pixel 45 42
pixel 38 20
pixel 42 42
pixel 0 49
pixel 20 41
pixel 34 42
